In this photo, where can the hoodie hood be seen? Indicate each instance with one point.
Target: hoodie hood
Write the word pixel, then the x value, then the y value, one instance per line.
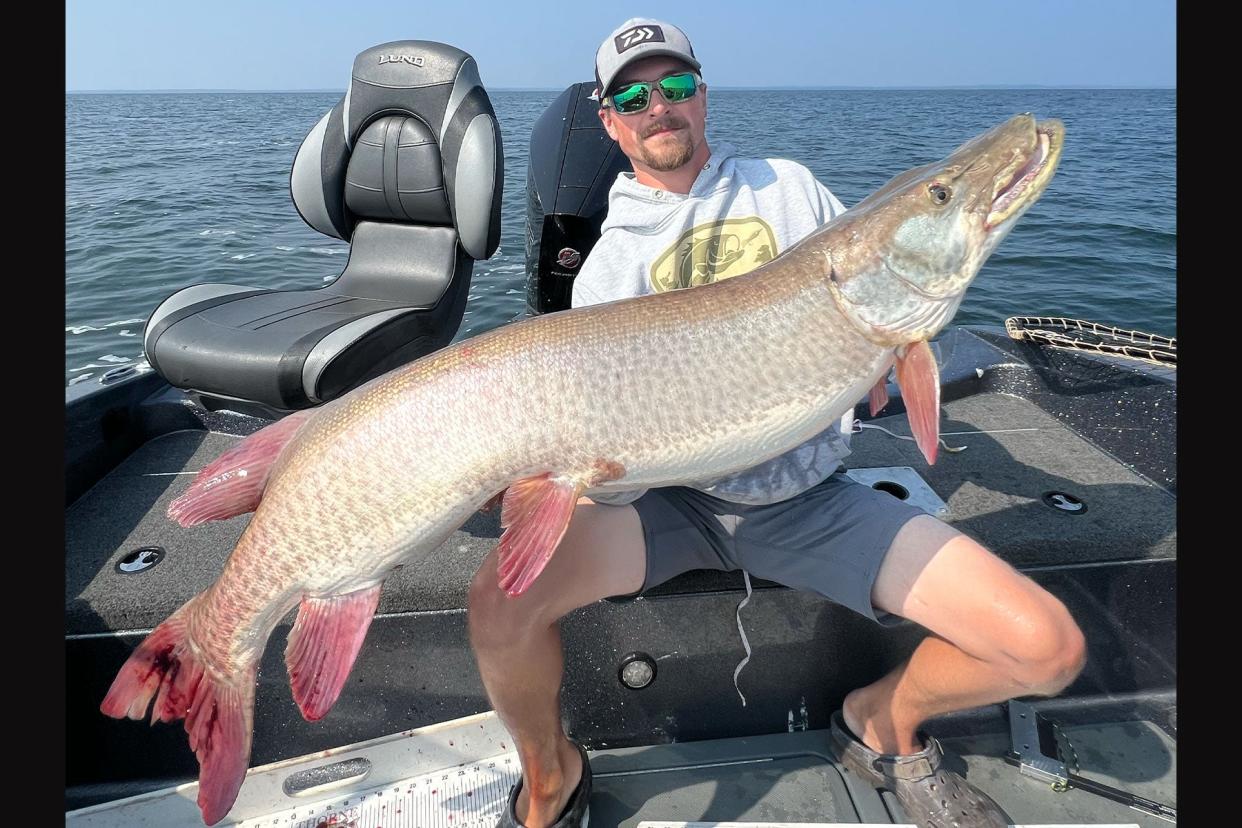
pixel 632 206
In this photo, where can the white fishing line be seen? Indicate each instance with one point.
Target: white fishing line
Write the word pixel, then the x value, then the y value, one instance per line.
pixel 737 671
pixel 859 425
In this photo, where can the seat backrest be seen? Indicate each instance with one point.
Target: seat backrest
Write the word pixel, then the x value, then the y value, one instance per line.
pixel 413 142
pixel 408 169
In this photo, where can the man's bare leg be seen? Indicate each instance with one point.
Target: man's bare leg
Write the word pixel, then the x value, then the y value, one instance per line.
pixel 996 634
pixel 517 642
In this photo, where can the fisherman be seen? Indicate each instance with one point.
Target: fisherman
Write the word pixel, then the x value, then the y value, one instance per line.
pixel 687 215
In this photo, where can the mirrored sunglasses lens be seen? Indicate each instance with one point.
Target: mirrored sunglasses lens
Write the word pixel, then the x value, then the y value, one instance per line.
pixel 678 87
pixel 631 99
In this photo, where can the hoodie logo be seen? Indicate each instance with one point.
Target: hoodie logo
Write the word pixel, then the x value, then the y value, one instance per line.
pixel 638 36
pixel 712 252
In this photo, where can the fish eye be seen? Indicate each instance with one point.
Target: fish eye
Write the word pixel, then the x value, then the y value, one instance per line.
pixel 940 193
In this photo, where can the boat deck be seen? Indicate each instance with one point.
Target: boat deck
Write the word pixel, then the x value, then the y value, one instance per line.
pixel 994 491
pixel 1113 564
pixel 458 774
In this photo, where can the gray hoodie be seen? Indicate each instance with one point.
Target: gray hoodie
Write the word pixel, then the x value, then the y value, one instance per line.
pixel 740 213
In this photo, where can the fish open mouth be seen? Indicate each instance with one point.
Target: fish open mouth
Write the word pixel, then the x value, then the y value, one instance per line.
pixel 1029 180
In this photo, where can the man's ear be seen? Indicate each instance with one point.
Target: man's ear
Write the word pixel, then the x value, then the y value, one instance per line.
pixel 605 116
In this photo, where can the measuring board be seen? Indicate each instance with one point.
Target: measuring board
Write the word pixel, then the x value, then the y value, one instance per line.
pixel 473 796
pixel 454 774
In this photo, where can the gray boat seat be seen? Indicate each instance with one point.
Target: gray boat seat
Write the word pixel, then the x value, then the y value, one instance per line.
pixel 408 169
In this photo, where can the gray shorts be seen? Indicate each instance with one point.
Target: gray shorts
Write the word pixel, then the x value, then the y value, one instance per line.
pixel 831 539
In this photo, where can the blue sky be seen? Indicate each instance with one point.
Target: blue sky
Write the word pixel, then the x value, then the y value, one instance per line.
pixel 308 44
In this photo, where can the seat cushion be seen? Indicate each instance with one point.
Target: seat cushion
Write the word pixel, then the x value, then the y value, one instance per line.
pixel 401 295
pixel 294 349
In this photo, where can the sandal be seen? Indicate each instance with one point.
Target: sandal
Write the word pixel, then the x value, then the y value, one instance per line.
pixel 576 811
pixel 932 795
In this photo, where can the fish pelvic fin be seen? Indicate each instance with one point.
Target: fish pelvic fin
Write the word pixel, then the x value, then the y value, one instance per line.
pixel 535 514
pixel 919 379
pixel 323 644
pixel 233 483
pixel 219 714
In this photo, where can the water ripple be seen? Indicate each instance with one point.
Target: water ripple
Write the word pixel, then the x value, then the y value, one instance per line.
pixel 169 190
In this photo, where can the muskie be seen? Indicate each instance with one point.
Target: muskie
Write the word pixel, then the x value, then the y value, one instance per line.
pixel 658 390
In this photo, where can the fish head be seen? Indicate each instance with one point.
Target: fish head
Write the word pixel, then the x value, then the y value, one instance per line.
pixel 901 260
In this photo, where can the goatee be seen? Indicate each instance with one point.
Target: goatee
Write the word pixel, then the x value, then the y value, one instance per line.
pixel 671 151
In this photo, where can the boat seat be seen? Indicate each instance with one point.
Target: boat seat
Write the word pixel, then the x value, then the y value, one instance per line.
pixel 408 169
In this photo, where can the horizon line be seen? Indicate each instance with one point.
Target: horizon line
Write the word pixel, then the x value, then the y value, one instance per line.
pixel 1015 86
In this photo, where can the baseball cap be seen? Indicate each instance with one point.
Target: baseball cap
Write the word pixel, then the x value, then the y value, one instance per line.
pixel 637 38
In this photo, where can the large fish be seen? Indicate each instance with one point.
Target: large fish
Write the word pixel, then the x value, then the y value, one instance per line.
pixel 654 391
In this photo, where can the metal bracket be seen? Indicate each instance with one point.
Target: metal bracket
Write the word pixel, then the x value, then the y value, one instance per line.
pixel 1035 746
pixel 1042 750
pixel 903 483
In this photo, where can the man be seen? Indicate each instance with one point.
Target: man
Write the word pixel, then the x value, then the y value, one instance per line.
pixel 686 216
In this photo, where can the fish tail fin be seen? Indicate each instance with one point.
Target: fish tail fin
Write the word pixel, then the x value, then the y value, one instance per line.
pixel 219 714
pixel 322 647
pixel 233 483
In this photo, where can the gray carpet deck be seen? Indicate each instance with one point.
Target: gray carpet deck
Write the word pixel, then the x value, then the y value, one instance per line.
pixel 993 490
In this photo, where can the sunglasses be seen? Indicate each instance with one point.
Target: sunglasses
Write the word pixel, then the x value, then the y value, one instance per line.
pixel 636 97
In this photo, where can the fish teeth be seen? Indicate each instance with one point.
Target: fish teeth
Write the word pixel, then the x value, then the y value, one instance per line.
pixel 1010 196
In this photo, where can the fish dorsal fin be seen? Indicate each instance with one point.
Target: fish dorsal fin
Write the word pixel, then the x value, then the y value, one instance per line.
pixel 322 647
pixel 233 483
pixel 535 514
pixel 919 379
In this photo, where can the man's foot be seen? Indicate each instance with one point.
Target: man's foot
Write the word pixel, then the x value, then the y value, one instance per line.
pixel 575 812
pixel 932 795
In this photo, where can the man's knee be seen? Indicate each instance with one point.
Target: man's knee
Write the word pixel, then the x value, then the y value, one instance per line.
pixel 949 583
pixel 484 589
pixel 485 608
pixel 602 554
pixel 496 618
pixel 1043 646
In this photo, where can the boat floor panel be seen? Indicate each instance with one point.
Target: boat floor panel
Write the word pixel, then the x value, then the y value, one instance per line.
pixel 994 491
pixel 774 778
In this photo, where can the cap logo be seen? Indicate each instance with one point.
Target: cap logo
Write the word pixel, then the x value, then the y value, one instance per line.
pixel 638 36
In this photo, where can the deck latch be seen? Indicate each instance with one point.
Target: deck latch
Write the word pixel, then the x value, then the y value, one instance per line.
pixel 1041 749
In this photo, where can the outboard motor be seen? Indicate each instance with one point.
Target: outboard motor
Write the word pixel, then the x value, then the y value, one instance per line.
pixel 572 165
pixel 408 169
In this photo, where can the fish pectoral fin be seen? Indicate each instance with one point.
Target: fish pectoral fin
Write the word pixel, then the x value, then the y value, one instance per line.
pixel 535 514
pixel 323 644
pixel 919 379
pixel 233 483
pixel 878 397
pixel 219 714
